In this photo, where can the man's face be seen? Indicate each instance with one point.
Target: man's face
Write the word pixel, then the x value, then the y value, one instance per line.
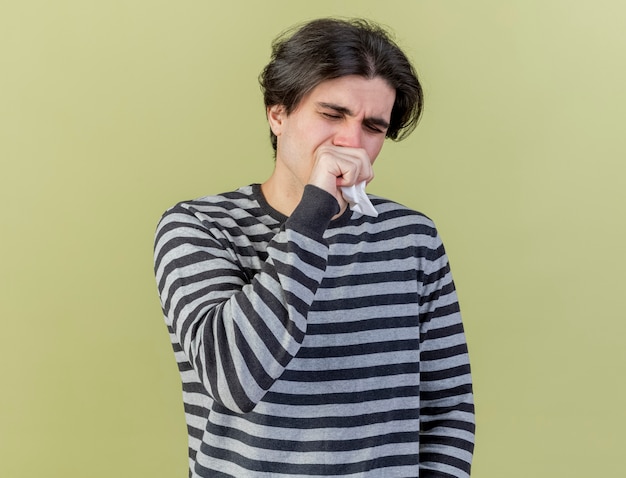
pixel 351 112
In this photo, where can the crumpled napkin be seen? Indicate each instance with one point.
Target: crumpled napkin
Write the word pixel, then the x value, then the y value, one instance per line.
pixel 357 199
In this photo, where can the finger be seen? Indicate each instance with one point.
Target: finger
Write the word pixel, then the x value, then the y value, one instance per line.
pixel 336 167
pixel 358 168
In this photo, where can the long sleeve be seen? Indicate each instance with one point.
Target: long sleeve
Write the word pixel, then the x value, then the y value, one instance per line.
pixel 447 408
pixel 240 332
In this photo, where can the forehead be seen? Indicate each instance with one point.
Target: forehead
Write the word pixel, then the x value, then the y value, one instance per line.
pixel 371 95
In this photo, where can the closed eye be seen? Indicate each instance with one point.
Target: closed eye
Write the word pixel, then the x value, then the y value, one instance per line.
pixel 375 128
pixel 332 116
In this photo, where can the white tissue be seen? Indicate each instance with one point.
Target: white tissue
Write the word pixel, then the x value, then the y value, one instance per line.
pixel 357 199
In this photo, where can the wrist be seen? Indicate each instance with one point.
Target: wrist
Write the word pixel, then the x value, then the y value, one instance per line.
pixel 315 210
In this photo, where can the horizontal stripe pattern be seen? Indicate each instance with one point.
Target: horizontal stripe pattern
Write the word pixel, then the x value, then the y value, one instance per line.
pixel 314 348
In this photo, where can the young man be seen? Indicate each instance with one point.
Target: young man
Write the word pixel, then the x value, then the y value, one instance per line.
pixel 314 339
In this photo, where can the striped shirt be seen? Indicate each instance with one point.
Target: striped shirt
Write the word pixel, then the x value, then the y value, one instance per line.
pixel 311 347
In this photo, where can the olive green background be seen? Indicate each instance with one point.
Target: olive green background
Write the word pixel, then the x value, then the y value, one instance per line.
pixel 112 111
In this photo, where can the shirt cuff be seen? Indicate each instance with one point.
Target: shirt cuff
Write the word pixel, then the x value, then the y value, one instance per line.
pixel 314 212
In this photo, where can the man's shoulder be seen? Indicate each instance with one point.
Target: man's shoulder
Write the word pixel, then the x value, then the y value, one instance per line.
pixel 392 210
pixel 238 198
pixel 241 198
pixel 241 211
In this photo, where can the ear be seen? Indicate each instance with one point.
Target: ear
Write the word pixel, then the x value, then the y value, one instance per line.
pixel 276 117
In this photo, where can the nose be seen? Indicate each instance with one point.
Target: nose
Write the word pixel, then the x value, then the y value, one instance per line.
pixel 348 135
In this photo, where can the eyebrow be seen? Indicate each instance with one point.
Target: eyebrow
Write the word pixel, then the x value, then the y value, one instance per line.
pixel 374 120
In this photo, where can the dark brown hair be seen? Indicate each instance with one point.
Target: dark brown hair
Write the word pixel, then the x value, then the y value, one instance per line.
pixel 329 48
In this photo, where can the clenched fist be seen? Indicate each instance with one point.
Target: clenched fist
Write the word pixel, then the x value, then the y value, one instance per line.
pixel 337 166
